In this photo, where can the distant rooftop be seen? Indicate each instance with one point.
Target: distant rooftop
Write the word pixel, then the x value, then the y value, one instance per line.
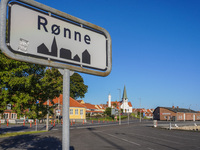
pixel 177 109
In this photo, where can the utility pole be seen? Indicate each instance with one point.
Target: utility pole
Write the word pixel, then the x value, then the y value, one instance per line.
pixel 58 109
pixel 47 121
pixel 35 124
pixel 37 102
pixel 128 118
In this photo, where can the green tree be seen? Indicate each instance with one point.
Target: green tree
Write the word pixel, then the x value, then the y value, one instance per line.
pixel 22 84
pixel 115 105
pixel 77 86
pixel 108 111
pixel 51 84
pixel 51 88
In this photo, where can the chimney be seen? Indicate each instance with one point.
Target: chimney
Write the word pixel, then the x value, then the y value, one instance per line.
pixel 173 107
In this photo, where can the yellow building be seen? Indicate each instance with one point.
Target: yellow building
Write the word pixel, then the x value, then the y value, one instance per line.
pixel 76 111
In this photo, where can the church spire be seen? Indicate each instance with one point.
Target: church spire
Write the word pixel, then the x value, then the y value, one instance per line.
pixel 124 94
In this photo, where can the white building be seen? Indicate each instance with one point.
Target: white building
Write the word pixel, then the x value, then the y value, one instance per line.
pixel 124 104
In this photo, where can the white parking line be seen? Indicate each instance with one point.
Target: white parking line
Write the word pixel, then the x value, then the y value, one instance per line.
pixel 178 137
pixel 94 126
pixel 157 138
pixel 122 139
pixel 150 148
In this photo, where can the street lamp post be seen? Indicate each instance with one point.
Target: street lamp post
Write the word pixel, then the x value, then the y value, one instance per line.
pixel 128 118
pixel 47 121
pixel 37 102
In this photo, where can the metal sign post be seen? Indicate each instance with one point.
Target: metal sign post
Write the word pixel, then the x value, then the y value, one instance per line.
pixel 66 95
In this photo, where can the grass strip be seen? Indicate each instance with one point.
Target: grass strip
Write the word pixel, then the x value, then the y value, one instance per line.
pixel 19 133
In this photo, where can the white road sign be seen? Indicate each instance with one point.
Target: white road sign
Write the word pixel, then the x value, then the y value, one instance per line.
pixel 46 36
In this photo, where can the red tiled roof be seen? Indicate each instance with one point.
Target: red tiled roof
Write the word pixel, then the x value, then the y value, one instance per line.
pixel 119 103
pixel 129 103
pixel 143 110
pixel 149 114
pixel 94 111
pixel 134 109
pixel 116 102
pixel 104 105
pixel 149 111
pixel 56 100
pixel 79 101
pixel 72 102
pixel 97 106
pixel 118 107
pixel 89 106
pixel 100 107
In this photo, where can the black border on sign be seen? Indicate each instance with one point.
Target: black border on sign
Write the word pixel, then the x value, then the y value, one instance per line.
pixel 62 19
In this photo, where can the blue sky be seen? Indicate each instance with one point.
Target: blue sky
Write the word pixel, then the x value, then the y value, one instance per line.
pixel 155 50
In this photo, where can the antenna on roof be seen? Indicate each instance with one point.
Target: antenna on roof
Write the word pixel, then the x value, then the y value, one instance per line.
pixel 189 106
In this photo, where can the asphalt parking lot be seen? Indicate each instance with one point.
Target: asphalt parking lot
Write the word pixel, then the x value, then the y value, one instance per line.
pixel 134 136
pixel 137 136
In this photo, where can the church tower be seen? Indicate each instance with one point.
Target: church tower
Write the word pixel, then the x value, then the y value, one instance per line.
pixel 124 98
pixel 125 104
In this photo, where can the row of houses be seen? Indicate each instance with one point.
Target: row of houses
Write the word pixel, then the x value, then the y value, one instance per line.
pixel 148 113
pixel 79 110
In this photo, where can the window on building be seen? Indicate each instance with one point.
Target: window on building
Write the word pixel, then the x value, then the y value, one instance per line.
pixel 76 111
pixel 71 111
pixel 81 112
pixel 6 116
pixel 13 116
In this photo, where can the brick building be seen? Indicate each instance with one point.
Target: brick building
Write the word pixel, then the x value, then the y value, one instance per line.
pixel 8 113
pixel 175 113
